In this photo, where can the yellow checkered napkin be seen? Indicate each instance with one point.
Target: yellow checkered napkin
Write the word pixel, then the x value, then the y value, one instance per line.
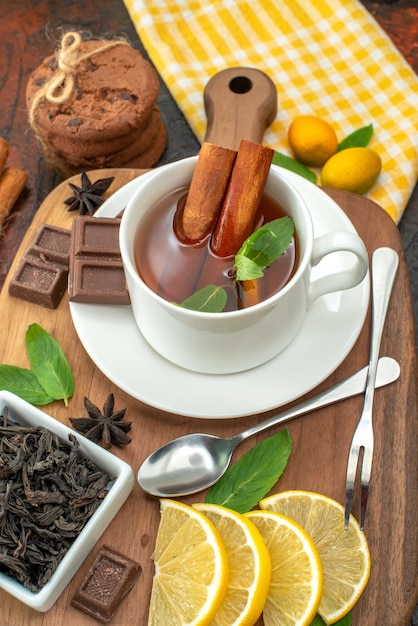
pixel 326 57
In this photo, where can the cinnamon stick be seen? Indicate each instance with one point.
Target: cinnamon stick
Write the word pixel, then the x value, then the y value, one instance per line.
pixel 242 199
pixel 250 293
pixel 206 193
pixel 4 153
pixel 12 182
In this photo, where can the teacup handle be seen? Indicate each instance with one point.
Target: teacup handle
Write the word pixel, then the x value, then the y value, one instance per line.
pixel 338 242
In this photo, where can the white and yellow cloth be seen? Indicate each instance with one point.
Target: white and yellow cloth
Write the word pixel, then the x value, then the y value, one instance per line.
pixel 326 57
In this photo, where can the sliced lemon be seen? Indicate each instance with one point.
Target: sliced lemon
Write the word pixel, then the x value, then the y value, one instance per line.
pixel 344 553
pixel 249 566
pixel 296 576
pixel 191 568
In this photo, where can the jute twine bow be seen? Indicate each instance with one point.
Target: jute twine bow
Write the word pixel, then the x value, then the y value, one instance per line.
pixel 60 87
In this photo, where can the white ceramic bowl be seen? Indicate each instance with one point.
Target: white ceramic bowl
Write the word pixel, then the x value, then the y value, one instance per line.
pixel 24 413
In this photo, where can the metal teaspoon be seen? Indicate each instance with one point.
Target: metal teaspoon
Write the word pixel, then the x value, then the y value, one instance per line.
pixel 194 462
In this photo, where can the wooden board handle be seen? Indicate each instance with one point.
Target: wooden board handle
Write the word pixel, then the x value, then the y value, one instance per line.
pixel 240 103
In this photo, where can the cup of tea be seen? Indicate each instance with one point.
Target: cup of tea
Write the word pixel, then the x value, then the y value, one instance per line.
pixel 162 271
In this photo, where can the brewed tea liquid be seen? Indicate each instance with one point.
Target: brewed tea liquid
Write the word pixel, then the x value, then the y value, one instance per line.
pixel 175 270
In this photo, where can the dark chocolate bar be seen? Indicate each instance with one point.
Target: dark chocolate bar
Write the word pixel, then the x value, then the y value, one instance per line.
pixel 96 271
pixel 41 278
pixel 109 579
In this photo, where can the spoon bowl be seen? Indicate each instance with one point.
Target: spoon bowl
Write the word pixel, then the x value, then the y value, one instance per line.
pixel 183 465
pixel 195 462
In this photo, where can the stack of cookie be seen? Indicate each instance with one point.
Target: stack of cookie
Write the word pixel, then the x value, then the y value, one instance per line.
pixel 94 104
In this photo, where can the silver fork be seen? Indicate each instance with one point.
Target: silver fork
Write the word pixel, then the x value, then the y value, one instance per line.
pixel 384 266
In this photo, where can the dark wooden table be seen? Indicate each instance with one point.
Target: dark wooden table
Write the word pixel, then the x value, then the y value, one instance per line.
pixel 28 32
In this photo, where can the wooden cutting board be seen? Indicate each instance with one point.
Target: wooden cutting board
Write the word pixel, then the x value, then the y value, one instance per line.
pixel 320 442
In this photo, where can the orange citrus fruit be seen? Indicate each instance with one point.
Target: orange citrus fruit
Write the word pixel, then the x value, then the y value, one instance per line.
pixel 312 140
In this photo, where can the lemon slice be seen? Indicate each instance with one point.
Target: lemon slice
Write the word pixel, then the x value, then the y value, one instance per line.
pixel 344 553
pixel 249 567
pixel 191 568
pixel 296 576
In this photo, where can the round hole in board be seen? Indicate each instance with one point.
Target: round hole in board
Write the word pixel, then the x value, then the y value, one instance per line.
pixel 240 84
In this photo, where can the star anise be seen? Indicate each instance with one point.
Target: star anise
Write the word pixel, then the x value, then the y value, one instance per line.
pixel 105 428
pixel 88 197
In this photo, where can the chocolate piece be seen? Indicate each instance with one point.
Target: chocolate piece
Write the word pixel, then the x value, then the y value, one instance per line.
pixel 98 281
pixel 51 243
pixel 96 271
pixel 108 581
pixel 39 282
pixel 41 278
pixel 97 236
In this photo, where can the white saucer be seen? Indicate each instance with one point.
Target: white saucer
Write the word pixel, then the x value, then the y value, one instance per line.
pixel 331 327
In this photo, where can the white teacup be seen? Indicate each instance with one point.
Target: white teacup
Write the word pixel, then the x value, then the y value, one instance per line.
pixel 227 342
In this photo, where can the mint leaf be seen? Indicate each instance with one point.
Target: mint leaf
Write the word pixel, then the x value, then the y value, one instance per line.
pixel 23 383
pixel 358 139
pixel 49 364
pixel 250 479
pixel 246 269
pixel 265 246
pixel 210 299
pixel 294 166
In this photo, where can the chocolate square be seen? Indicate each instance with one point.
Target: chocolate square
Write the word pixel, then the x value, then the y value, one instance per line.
pixel 39 282
pixel 108 581
pixel 51 243
pixel 95 236
pixel 96 270
pixel 41 278
pixel 98 281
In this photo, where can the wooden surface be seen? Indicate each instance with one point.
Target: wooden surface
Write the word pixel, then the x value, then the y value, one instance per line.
pixel 320 442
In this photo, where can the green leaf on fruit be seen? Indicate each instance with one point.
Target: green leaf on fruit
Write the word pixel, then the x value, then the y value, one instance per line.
pixel 282 160
pixel 250 479
pixel 358 139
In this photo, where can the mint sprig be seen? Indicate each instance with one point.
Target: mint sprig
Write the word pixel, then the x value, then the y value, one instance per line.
pixel 249 480
pixel 23 383
pixel 265 246
pixel 50 377
pixel 259 250
pixel 49 364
